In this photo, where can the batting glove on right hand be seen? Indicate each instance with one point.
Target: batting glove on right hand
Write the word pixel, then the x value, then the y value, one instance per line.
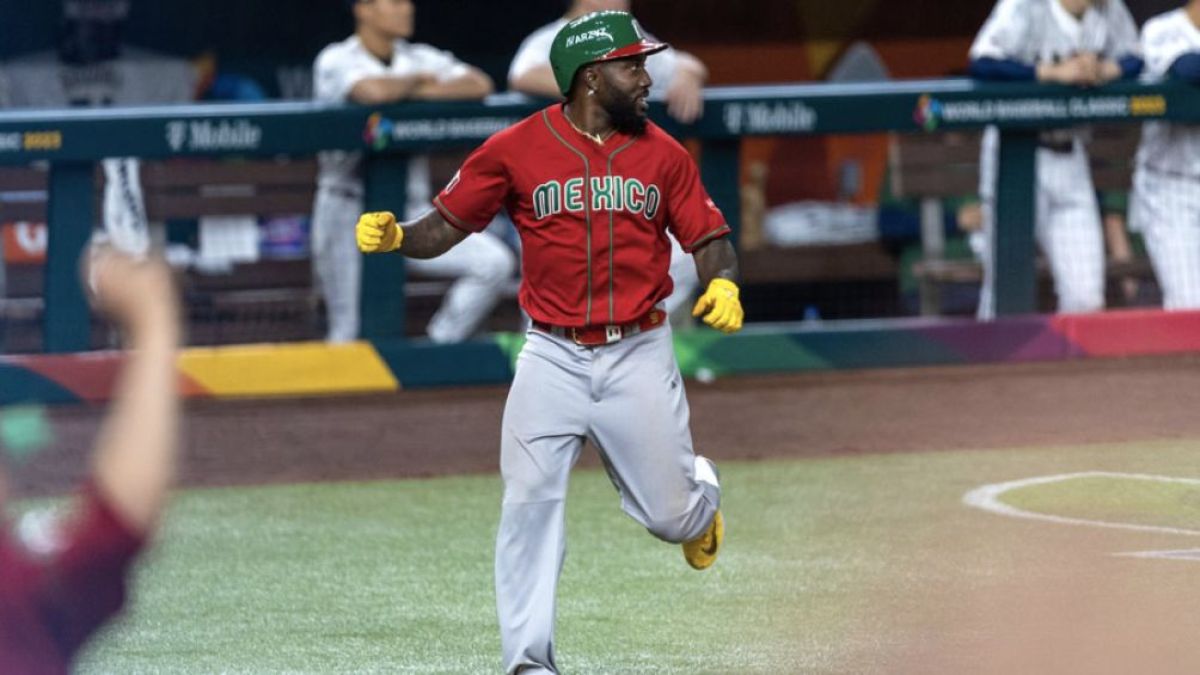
pixel 720 306
pixel 378 232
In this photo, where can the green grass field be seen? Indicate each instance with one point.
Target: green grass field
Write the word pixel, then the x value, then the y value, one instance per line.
pixel 831 565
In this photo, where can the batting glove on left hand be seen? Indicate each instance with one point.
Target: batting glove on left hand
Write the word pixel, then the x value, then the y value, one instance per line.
pixel 720 306
pixel 378 232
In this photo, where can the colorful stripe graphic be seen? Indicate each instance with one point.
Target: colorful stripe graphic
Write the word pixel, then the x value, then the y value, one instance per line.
pixel 307 369
pixel 301 369
pixel 287 370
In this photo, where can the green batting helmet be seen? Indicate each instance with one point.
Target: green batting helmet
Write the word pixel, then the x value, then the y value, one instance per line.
pixel 595 37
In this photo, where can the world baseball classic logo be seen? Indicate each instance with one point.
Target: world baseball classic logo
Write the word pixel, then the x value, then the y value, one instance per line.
pixel 378 132
pixel 928 114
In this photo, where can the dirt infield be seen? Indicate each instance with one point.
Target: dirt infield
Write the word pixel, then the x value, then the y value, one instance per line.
pixel 429 433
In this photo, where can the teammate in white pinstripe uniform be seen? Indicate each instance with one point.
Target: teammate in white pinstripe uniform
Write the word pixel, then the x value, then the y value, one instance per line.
pixel 377 65
pixel 1166 183
pixel 1075 42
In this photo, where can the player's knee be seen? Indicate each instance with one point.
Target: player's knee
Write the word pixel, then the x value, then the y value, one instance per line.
pixel 674 530
pixel 1181 296
pixel 1080 296
pixel 525 490
pixel 497 267
pixel 1081 303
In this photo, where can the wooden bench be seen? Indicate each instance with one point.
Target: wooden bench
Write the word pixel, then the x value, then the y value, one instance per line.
pixel 934 167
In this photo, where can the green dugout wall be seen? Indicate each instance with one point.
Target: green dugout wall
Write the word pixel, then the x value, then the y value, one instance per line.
pixel 72 141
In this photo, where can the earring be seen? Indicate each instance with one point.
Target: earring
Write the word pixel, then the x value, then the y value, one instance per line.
pixel 591 92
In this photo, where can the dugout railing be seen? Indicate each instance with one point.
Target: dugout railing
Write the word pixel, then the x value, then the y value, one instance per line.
pixel 69 143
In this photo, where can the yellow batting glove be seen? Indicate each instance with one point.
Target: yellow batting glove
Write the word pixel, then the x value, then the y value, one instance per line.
pixel 720 306
pixel 378 232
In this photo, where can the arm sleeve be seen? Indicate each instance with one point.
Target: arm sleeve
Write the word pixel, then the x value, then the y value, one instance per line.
pixel 662 67
pixel 1162 46
pixel 692 216
pixel 988 68
pixel 440 63
pixel 1131 66
pixel 1006 34
pixel 1187 67
pixel 533 52
pixel 334 75
pixel 86 581
pixel 473 196
pixel 1122 34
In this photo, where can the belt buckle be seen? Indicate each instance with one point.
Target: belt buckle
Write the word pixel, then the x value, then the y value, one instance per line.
pixel 612 333
pixel 579 337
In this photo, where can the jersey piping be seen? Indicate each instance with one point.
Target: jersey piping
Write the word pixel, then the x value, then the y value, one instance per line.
pixel 711 235
pixel 454 220
pixel 587 211
pixel 611 241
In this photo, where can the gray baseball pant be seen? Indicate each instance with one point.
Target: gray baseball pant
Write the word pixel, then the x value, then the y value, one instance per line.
pixel 628 398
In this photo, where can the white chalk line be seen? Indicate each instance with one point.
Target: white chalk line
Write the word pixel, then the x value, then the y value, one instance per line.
pixel 987 498
pixel 1182 554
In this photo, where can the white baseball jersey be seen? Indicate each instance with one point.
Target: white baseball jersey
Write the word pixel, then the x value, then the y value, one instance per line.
pixel 1042 31
pixel 1166 147
pixel 338 67
pixel 535 52
pixel 1165 206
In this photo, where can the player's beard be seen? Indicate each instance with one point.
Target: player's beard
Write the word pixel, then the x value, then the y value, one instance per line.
pixel 625 115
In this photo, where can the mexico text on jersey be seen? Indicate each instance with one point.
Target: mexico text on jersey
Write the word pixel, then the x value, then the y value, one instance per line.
pixel 609 193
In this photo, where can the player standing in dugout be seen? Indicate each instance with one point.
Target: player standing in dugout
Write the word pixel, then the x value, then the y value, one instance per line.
pixel 1082 43
pixel 1166 183
pixel 593 188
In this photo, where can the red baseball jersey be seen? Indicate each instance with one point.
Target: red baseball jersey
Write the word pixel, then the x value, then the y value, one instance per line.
pixel 51 603
pixel 592 217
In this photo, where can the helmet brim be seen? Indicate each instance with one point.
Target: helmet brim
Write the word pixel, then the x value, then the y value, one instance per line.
pixel 636 49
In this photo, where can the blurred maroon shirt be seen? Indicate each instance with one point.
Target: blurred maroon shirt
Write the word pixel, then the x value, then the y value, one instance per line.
pixel 51 603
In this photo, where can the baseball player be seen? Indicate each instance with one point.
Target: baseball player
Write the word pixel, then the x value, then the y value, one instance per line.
pixel 678 78
pixel 1074 42
pixel 1166 181
pixel 593 188
pixel 58 588
pixel 377 65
